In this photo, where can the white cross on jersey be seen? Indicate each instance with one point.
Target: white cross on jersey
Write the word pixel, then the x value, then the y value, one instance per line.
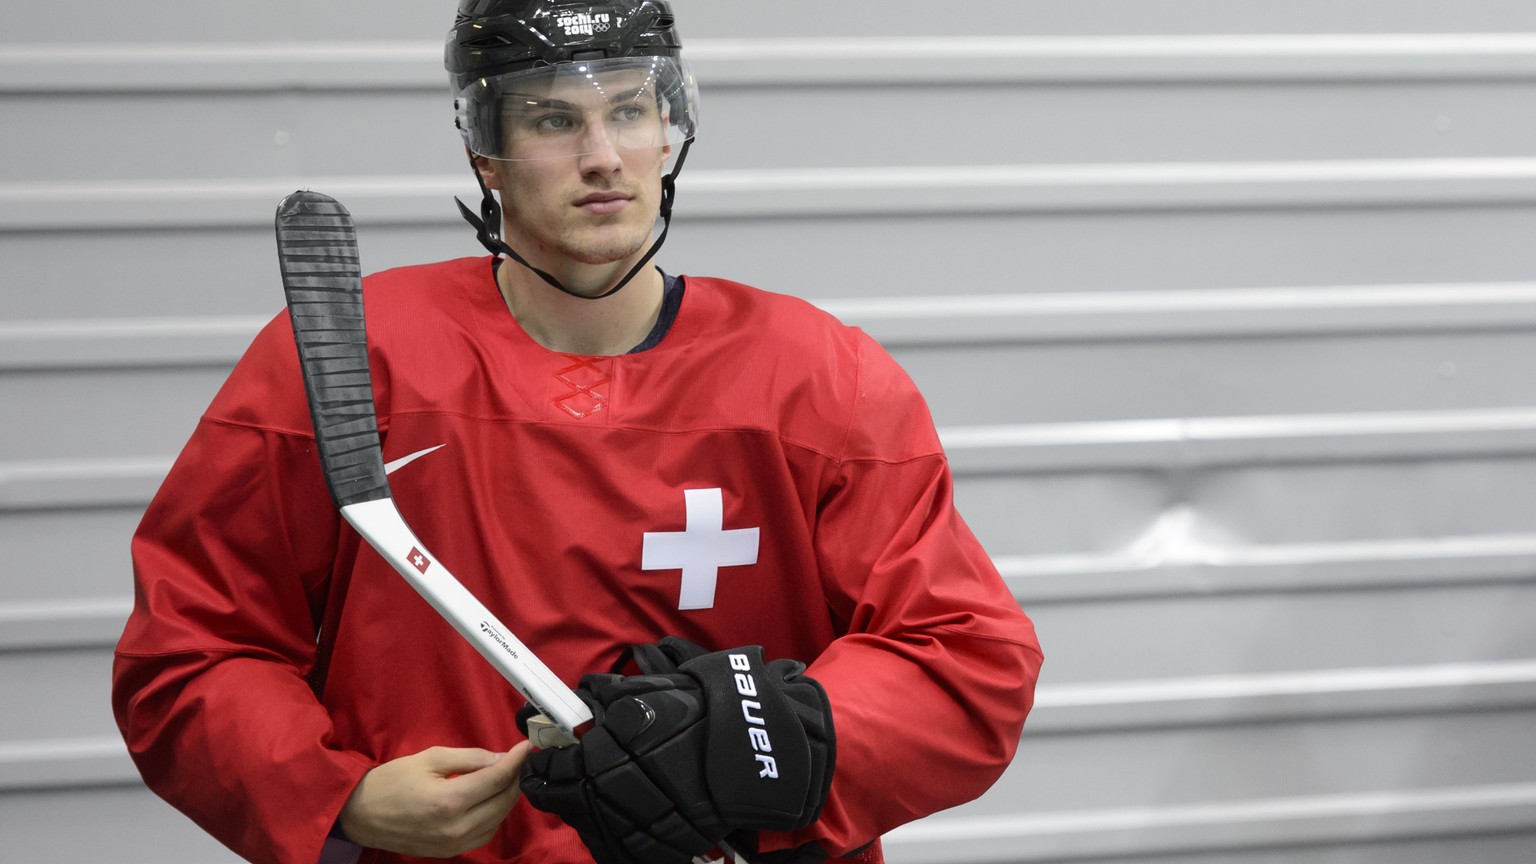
pixel 701 550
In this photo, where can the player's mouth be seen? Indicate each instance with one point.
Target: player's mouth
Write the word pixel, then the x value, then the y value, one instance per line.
pixel 604 203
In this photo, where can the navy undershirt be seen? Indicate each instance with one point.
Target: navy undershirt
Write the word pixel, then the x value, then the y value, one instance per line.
pixel 671 301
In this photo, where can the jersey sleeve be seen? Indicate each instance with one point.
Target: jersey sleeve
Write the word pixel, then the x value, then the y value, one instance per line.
pixel 936 673
pixel 231 564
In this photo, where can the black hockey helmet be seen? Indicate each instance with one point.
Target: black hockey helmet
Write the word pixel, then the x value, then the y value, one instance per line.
pixel 494 37
pixel 503 55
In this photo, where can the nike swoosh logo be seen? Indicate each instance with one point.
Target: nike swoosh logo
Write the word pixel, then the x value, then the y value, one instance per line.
pixel 392 467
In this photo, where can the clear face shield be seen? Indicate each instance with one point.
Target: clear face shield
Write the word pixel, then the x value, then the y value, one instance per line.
pixel 579 108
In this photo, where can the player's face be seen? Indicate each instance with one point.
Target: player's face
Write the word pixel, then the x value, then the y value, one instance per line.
pixel 586 183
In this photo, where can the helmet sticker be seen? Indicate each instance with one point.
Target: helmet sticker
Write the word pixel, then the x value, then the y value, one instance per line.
pixel 585 23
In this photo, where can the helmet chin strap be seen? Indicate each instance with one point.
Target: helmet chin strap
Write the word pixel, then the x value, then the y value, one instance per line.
pixel 487 226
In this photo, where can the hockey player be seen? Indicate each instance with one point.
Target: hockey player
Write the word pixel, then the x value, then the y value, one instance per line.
pixel 721 511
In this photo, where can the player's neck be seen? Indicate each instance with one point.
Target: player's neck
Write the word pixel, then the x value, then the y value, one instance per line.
pixel 574 325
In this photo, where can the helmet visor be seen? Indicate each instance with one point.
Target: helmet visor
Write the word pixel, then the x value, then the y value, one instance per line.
pixel 580 107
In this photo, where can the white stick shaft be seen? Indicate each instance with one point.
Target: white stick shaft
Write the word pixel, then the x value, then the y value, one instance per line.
pixel 380 523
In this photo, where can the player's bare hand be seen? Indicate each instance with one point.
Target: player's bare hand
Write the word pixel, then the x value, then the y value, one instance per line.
pixel 438 803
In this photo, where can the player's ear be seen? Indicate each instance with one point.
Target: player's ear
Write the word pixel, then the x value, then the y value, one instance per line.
pixel 487 168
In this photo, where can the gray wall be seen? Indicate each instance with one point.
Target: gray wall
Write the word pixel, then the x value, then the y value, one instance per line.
pixel 1227 311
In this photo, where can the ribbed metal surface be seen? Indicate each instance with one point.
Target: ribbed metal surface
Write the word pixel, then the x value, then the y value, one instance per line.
pixel 1226 313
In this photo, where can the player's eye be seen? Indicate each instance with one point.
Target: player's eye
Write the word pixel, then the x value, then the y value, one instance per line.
pixel 629 112
pixel 552 124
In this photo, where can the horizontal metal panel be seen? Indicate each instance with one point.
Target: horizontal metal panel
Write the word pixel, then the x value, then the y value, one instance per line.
pixel 192 21
pixel 966 384
pixel 54 763
pixel 1263 517
pixel 799 18
pixel 1325 504
pixel 899 321
pixel 1174 249
pixel 1074 512
pixel 94 343
pixel 1166 769
pixel 1094 187
pixel 1141 571
pixel 127 825
pixel 1139 122
pixel 819 192
pixel 317 133
pixel 68 616
pixel 980 452
pixel 94 483
pixel 68 553
pixel 1138 315
pixel 65 611
pixel 1282 625
pixel 131 825
pixel 1329 694
pixel 202 272
pixel 1501 847
pixel 1423 511
pixel 66 623
pixel 112 414
pixel 1087 821
pixel 1190 442
pixel 185 20
pixel 1104 637
pixel 1130 638
pixel 1325 374
pixel 29 760
pixel 222 66
pixel 1006 58
pixel 1229 826
pixel 66 694
pixel 221 272
pixel 987 56
pixel 276 134
pixel 1071 512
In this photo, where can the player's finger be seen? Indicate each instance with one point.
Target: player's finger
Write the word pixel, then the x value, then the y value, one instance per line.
pixel 494 779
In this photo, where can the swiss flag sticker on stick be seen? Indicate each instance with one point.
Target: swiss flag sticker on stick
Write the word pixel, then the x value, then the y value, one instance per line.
pixel 418 560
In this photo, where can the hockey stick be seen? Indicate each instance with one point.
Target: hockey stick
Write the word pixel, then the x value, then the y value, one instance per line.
pixel 322 279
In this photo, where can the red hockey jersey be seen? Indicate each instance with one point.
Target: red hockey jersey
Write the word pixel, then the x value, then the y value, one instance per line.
pixel 765 475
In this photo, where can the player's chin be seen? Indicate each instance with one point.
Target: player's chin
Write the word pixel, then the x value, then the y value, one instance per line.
pixel 599 248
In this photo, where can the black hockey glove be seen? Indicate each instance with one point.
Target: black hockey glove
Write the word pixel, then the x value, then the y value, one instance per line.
pixel 676 760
